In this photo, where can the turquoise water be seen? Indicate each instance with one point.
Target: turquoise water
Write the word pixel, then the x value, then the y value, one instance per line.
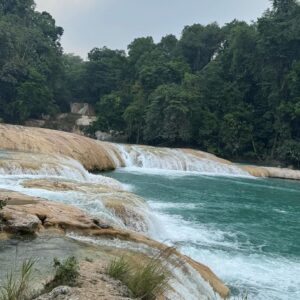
pixel 246 230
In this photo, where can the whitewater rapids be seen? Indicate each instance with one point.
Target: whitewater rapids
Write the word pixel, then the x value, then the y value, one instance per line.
pixel 63 179
pixel 154 159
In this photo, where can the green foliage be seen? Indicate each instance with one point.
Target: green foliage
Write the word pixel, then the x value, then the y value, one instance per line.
pixel 118 269
pixel 66 273
pixel 167 117
pixel 110 109
pixel 231 90
pixel 3 203
pixel 105 72
pixel 199 44
pixel 74 77
pixel 30 62
pixel 147 281
pixel 17 288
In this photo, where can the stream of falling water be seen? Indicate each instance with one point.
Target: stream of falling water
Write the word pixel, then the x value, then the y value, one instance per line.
pixel 156 160
pixel 16 168
pixel 250 253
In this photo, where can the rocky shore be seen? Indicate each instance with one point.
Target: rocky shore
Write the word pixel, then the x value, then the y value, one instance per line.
pixel 48 190
pixel 101 156
pixel 25 215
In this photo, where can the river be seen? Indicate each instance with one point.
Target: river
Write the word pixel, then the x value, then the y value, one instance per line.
pixel 245 229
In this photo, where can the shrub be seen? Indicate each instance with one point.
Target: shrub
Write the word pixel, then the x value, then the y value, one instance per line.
pixel 148 281
pixel 2 203
pixel 18 289
pixel 118 269
pixel 66 273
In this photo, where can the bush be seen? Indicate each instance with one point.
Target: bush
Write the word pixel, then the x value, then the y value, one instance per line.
pixel 118 269
pixel 66 273
pixel 3 203
pixel 18 289
pixel 148 281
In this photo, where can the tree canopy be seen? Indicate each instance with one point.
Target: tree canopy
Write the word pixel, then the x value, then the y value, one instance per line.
pixel 232 90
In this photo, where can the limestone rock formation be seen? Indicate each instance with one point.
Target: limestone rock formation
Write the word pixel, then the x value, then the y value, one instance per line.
pixel 96 155
pixel 91 153
pixel 25 214
pixel 282 173
pixel 48 215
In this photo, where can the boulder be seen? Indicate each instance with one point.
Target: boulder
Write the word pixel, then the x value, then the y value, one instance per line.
pixel 25 214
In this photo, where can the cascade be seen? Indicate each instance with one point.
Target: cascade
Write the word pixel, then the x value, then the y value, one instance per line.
pixel 153 158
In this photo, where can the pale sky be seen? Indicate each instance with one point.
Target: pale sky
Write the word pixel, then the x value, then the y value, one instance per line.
pixel 115 23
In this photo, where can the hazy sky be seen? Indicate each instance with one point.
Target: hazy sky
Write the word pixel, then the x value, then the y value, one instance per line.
pixel 115 23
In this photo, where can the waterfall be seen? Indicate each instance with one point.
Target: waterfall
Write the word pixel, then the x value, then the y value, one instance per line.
pixel 96 155
pixel 62 179
pixel 55 166
pixel 137 157
pixel 32 164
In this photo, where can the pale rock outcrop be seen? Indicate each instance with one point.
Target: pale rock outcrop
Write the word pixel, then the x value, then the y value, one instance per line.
pixel 66 218
pixel 90 153
pixel 96 155
pixel 86 121
pixel 84 109
pixel 128 207
pixel 272 172
pixel 25 214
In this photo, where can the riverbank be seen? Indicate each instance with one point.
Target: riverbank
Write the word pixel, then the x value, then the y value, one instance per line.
pixel 46 181
pixel 101 156
pixel 41 199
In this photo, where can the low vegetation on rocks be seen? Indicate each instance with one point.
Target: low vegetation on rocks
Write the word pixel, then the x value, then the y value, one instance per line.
pixel 18 287
pixel 146 282
pixel 66 273
pixel 3 203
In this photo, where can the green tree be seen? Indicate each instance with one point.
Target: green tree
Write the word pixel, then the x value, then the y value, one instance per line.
pixel 200 43
pixel 105 72
pixel 30 58
pixel 110 109
pixel 167 118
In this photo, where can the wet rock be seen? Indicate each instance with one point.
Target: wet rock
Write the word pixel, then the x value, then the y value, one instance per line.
pixel 59 293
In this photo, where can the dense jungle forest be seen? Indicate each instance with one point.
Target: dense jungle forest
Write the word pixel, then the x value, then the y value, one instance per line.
pixel 231 90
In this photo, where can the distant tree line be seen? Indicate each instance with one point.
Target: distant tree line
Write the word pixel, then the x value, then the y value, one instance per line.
pixel 232 90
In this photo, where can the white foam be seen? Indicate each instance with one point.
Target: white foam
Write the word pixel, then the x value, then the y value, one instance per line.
pixel 166 161
pixel 173 205
pixel 29 165
pixel 263 276
pixel 186 283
